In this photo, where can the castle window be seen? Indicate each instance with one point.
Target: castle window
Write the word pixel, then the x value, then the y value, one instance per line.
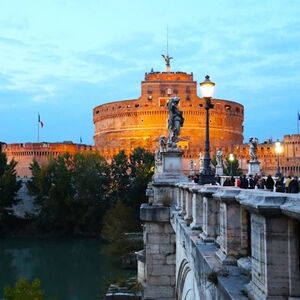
pixel 162 92
pixel 137 105
pixel 150 97
pixel 97 112
pixel 237 109
pixel 149 91
pixel 188 90
pixel 227 107
pixel 188 97
pixel 175 91
pixel 201 105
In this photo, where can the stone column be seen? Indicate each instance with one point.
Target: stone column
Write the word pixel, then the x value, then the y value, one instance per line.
pixel 159 241
pixel 230 235
pixel 291 208
pixel 159 237
pixel 182 199
pixel 188 202
pixel 253 167
pixel 197 209
pixel 210 214
pixel 177 197
pixel 269 246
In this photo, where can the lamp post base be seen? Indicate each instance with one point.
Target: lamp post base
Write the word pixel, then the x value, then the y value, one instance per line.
pixel 207 179
pixel 278 173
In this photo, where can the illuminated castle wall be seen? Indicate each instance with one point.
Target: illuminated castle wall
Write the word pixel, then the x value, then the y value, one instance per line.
pixel 25 153
pixel 126 124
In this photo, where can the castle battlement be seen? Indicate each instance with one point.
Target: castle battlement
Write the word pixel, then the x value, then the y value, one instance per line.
pixel 127 124
pixel 25 153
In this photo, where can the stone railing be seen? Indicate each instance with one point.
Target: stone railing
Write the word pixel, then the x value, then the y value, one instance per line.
pixel 229 243
pixel 257 231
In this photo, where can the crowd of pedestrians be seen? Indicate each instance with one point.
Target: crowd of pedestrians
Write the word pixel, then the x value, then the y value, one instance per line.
pixel 281 184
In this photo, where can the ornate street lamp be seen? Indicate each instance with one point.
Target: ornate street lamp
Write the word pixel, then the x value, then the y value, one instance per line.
pixel 231 159
pixel 207 90
pixel 278 151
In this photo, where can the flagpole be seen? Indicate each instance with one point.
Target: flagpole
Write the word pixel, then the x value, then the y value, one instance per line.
pixel 298 119
pixel 38 125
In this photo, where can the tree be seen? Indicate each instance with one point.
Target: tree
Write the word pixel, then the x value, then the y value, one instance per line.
pixel 70 193
pixel 117 221
pixel 91 182
pixel 9 186
pixel 141 172
pixel 236 171
pixel 24 290
pixel 120 180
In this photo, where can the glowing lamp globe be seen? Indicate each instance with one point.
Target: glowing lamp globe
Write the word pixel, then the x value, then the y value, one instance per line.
pixel 207 88
pixel 278 147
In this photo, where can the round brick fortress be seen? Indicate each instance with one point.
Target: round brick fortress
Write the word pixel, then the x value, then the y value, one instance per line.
pixel 127 124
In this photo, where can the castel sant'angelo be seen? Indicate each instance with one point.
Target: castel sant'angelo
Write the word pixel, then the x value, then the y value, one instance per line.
pixel 127 124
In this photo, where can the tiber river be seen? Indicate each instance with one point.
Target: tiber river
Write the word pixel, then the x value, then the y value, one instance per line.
pixel 68 269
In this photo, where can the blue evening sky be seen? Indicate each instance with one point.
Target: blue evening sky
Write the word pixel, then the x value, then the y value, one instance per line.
pixel 61 58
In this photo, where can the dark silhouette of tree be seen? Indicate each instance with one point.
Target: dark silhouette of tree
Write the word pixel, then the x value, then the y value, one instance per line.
pixel 9 186
pixel 120 179
pixel 70 193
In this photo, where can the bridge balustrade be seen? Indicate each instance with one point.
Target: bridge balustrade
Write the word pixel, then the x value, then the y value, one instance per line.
pixel 255 231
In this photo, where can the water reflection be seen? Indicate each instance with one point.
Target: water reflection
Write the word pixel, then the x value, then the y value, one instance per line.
pixel 68 269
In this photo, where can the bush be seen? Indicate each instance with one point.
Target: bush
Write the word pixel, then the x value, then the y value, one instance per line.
pixel 24 290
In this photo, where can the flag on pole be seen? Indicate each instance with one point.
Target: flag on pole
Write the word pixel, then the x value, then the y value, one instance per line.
pixel 40 121
pixel 298 119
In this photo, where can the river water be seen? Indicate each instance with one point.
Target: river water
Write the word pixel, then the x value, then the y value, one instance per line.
pixel 68 269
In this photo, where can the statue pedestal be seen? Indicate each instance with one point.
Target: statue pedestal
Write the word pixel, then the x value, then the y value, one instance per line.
pixel 219 170
pixel 253 167
pixel 171 169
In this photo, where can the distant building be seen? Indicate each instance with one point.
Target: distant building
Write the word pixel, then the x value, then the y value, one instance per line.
pixel 25 153
pixel 127 124
pixel 289 159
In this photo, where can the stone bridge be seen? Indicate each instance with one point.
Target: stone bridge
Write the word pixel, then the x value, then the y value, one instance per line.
pixel 213 242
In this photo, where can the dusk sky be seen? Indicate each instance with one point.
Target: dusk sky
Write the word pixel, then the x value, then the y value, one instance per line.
pixel 62 58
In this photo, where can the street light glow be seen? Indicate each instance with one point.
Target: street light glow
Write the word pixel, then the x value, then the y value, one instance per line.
pixel 278 147
pixel 207 88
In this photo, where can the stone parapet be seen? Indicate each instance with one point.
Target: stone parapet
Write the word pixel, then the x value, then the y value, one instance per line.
pixel 154 213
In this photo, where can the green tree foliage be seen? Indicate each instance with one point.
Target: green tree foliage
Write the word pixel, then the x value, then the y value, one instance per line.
pixel 120 180
pixel 131 178
pixel 236 171
pixel 92 186
pixel 9 186
pixel 73 193
pixel 24 290
pixel 141 171
pixel 119 220
pixel 70 193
